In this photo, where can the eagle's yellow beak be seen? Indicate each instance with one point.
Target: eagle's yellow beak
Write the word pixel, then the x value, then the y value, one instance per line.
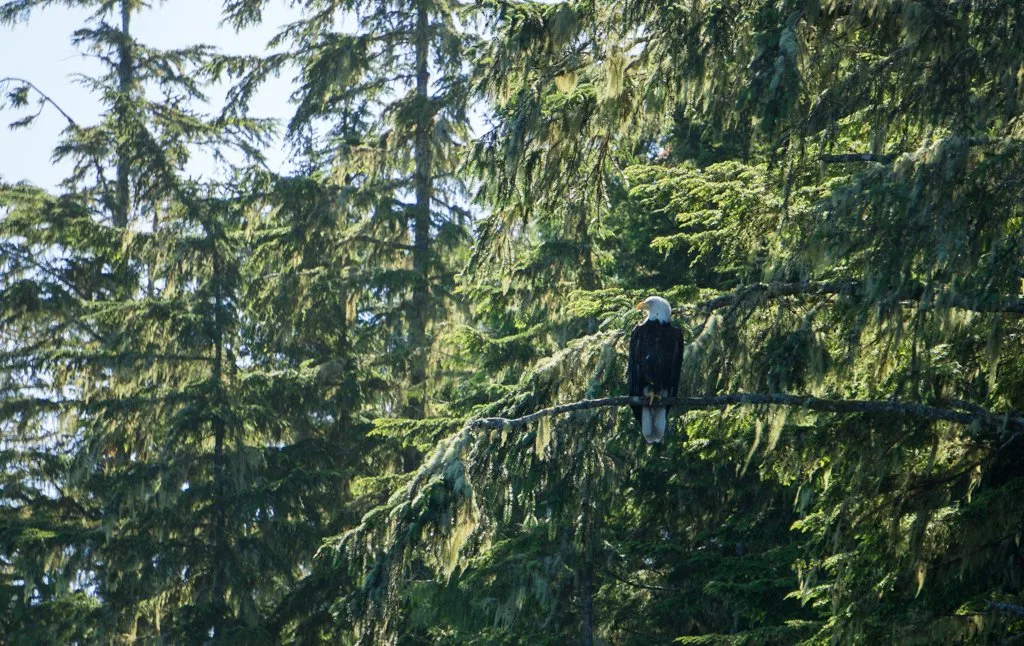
pixel 640 306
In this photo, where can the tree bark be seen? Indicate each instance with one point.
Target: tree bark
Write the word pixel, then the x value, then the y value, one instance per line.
pixel 587 584
pixel 587 579
pixel 588 272
pixel 125 78
pixel 220 555
pixel 1008 419
pixel 421 221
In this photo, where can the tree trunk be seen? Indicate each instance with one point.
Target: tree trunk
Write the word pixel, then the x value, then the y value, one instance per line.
pixel 151 267
pixel 590 520
pixel 421 220
pixel 587 583
pixel 219 431
pixel 125 76
pixel 588 278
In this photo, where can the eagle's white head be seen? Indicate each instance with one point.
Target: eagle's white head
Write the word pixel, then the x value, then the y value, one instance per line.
pixel 657 309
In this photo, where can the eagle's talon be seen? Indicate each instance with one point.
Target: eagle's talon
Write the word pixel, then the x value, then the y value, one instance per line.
pixel 650 399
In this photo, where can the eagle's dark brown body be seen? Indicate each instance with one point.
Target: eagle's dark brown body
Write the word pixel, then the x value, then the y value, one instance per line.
pixel 655 359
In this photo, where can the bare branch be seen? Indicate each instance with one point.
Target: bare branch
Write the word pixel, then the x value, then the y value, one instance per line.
pixel 870 407
pixel 641 586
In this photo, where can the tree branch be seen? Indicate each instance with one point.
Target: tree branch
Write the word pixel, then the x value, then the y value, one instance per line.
pixel 1009 608
pixel 362 237
pixel 641 586
pixel 779 289
pixel 851 158
pixel 866 406
pixel 44 97
pixel 911 296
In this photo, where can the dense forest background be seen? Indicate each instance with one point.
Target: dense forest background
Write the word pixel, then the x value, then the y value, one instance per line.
pixel 264 408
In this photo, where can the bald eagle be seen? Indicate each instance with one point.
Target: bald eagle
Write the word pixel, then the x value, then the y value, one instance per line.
pixel 655 357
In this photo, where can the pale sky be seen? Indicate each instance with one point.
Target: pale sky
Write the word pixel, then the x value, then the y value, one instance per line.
pixel 40 51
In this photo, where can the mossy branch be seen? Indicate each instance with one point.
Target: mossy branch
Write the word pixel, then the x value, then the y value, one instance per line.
pixel 864 406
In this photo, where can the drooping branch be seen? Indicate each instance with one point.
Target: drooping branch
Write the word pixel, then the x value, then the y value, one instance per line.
pixel 44 98
pixel 912 296
pixel 1013 419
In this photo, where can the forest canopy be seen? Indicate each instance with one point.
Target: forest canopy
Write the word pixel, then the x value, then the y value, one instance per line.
pixel 381 398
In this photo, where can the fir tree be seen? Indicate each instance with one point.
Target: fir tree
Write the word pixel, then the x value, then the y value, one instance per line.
pixel 202 381
pixel 883 273
pixel 381 116
pixel 167 490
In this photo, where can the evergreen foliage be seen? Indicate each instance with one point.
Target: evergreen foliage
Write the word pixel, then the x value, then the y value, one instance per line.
pixel 890 277
pixel 315 408
pixel 381 118
pixel 160 483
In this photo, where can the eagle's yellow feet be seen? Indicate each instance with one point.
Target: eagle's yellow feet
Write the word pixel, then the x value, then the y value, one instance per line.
pixel 650 399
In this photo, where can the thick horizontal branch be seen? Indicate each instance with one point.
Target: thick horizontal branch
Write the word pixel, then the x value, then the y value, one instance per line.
pixel 865 406
pixel 912 296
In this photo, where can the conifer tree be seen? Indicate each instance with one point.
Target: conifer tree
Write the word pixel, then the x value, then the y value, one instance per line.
pixel 861 249
pixel 306 369
pixel 86 251
pixel 381 116
pixel 201 381
pixel 161 485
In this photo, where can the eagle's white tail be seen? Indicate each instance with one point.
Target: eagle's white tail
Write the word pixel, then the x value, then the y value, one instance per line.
pixel 653 422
